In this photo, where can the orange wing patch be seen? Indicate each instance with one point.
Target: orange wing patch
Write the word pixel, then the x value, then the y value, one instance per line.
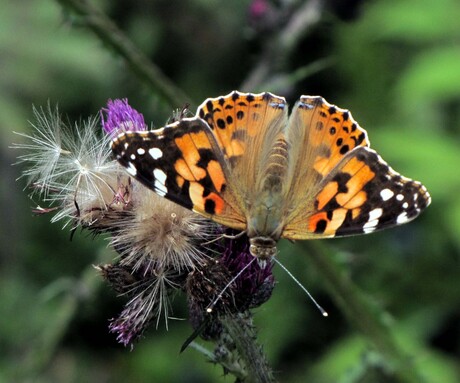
pixel 199 166
pixel 341 197
pixel 183 163
pixel 343 193
pixel 332 132
pixel 204 201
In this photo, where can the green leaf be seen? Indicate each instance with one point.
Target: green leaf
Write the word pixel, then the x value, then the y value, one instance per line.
pixel 433 76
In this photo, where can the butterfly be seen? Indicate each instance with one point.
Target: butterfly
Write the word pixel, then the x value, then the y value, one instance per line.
pixel 245 163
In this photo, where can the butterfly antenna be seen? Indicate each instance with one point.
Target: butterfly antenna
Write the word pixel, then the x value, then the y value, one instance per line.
pixel 324 312
pixel 213 303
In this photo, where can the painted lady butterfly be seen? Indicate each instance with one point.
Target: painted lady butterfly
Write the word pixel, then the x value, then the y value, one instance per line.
pixel 244 163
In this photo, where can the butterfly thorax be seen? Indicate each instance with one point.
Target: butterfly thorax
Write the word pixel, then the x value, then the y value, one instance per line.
pixel 264 228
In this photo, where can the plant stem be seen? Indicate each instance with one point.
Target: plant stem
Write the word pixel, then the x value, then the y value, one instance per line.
pixel 111 35
pixel 243 334
pixel 280 46
pixel 365 315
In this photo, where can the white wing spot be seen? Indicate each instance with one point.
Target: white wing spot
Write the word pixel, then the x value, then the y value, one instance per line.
pixel 155 153
pixel 399 197
pixel 131 169
pixel 141 151
pixel 126 145
pixel 369 227
pixel 132 156
pixel 375 214
pixel 402 218
pixel 405 205
pixel 386 194
pixel 373 221
pixel 160 180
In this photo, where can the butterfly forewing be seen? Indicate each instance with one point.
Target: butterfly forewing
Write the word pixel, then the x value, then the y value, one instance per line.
pixel 320 135
pixel 183 163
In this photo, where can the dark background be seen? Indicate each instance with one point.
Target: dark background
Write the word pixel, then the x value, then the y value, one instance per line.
pixel 394 64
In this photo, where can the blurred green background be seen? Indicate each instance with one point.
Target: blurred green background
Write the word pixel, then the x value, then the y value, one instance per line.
pixel 395 64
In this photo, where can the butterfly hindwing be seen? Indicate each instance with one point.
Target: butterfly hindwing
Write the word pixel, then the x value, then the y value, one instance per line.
pixel 360 195
pixel 183 163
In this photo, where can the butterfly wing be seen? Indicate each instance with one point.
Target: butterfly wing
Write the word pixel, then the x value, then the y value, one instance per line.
pixel 339 186
pixel 246 127
pixel 241 120
pixel 208 163
pixel 360 195
pixel 183 163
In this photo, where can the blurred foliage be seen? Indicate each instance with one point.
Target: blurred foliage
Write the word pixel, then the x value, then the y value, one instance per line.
pixel 393 63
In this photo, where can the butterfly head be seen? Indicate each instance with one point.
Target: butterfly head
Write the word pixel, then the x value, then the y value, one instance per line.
pixel 263 248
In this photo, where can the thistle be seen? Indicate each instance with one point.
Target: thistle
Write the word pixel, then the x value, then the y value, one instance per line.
pixel 162 248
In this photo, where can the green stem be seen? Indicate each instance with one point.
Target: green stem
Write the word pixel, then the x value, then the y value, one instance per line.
pixel 363 313
pixel 112 36
pixel 226 360
pixel 280 46
pixel 243 334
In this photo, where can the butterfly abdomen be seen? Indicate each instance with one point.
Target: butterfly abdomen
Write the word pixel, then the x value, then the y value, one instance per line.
pixel 277 164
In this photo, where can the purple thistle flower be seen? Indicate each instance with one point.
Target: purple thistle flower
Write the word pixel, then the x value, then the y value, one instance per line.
pixel 230 284
pixel 248 288
pixel 148 294
pixel 126 334
pixel 121 117
pixel 254 286
pixel 137 314
pixel 265 17
pixel 258 9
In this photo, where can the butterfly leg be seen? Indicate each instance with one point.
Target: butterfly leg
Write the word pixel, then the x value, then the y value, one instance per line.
pixel 234 236
pixel 225 236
